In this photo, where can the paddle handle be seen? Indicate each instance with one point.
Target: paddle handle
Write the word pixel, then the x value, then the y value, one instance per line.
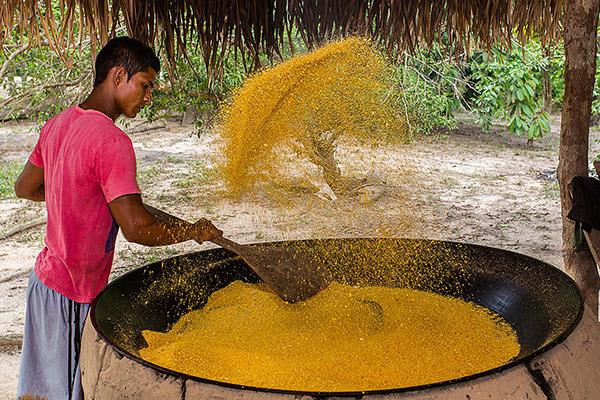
pixel 229 245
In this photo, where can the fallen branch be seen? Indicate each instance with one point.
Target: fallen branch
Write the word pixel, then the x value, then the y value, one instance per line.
pixel 11 342
pixel 16 275
pixel 21 228
pixel 146 127
pixel 39 88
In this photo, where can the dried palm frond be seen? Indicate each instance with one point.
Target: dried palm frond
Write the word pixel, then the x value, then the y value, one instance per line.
pixel 252 27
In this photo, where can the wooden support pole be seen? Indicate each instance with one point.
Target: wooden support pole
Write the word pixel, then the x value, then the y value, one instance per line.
pixel 581 24
pixel 593 240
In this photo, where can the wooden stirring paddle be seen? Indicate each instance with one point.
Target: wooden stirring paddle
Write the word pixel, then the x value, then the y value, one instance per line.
pixel 292 275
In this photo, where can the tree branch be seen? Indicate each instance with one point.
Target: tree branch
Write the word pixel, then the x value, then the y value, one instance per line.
pixel 44 87
pixel 10 59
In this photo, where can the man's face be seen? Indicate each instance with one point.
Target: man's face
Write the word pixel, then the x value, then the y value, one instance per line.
pixel 134 93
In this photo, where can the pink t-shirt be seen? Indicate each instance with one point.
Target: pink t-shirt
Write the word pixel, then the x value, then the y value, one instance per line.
pixel 87 162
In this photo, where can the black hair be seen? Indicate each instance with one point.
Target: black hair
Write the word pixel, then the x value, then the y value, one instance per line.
pixel 124 51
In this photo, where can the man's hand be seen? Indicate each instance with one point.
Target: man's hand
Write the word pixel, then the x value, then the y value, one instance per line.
pixel 205 230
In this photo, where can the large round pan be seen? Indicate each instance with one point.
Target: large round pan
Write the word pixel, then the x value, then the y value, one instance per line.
pixel 542 303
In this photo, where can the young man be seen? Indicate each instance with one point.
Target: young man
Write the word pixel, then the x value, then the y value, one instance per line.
pixel 84 168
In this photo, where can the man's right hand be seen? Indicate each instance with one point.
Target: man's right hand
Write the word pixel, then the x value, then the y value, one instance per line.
pixel 205 230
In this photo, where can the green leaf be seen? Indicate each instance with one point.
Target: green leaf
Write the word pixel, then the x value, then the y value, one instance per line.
pixel 546 123
pixel 526 109
pixel 520 95
pixel 519 122
pixel 530 91
pixel 532 132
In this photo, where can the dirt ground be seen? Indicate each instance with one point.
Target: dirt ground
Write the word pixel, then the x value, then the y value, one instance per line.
pixel 465 185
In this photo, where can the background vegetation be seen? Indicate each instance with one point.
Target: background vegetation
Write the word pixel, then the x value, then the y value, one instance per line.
pixel 517 87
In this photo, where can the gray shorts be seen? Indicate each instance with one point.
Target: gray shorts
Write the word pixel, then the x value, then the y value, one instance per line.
pixel 51 342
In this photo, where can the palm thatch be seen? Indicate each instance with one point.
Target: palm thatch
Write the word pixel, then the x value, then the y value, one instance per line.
pixel 262 25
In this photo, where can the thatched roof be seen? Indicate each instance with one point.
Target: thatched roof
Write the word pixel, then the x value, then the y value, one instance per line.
pixel 261 25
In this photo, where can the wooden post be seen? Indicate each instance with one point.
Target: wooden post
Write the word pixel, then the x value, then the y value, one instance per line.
pixel 581 23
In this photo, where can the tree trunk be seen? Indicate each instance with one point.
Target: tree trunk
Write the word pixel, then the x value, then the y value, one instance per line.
pixel 581 21
pixel 546 84
pixel 320 149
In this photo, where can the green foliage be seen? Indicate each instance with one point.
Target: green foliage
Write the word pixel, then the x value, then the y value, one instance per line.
pixel 38 83
pixel 191 88
pixel 596 94
pixel 428 93
pixel 556 65
pixel 509 86
pixel 9 171
pixel 430 85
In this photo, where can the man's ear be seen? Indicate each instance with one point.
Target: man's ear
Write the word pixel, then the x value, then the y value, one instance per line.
pixel 119 75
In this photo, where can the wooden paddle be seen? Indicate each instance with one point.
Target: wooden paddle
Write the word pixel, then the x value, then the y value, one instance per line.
pixel 289 273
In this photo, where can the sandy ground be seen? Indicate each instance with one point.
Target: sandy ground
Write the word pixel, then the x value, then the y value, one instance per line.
pixel 466 185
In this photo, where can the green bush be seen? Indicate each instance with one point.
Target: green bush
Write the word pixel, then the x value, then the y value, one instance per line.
pixel 429 90
pixel 509 86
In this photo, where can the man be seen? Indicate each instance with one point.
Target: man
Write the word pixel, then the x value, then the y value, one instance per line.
pixel 84 168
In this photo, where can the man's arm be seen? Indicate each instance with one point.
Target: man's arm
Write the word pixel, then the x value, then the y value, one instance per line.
pixel 30 183
pixel 163 216
pixel 151 227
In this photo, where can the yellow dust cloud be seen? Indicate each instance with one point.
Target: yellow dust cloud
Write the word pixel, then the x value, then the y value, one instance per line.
pixel 304 105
